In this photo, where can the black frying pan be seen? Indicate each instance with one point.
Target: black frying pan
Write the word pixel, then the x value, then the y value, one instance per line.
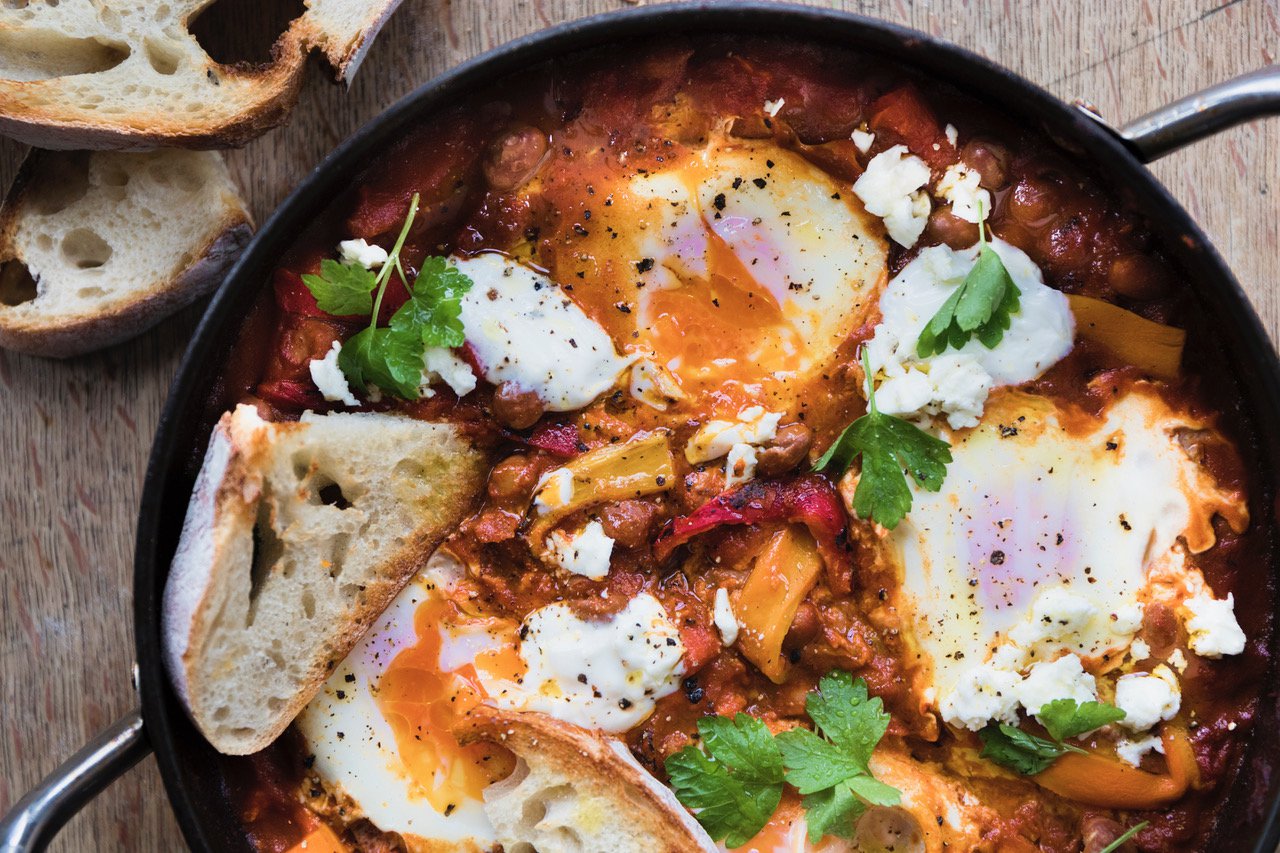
pixel 1250 819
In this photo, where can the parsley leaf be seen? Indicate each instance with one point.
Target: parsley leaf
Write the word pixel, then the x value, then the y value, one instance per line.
pixel 982 305
pixel 383 357
pixel 433 312
pixel 830 766
pixel 342 289
pixel 1064 718
pixel 1129 833
pixel 1011 747
pixel 736 785
pixel 888 445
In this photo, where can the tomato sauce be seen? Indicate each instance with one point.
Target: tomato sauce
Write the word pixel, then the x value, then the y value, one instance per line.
pixel 578 121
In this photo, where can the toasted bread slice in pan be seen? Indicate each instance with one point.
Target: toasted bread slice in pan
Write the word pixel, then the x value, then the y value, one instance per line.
pixel 96 247
pixel 297 536
pixel 130 75
pixel 577 791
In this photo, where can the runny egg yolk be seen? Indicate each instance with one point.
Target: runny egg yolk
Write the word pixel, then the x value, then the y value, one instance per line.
pixel 422 702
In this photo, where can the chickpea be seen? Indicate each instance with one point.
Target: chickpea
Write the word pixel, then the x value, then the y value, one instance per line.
pixel 1033 200
pixel 945 227
pixel 628 523
pixel 515 407
pixel 786 450
pixel 1097 832
pixel 804 628
pixel 515 158
pixel 1138 276
pixel 513 478
pixel 989 159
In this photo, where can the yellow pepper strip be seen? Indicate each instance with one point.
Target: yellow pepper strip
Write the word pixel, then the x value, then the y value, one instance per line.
pixel 1153 347
pixel 782 576
pixel 1099 780
pixel 637 467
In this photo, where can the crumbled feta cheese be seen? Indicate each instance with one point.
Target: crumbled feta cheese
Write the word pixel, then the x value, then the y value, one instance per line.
pixel 655 385
pixel 362 253
pixel 1178 660
pixel 1148 698
pixel 716 438
pixel 1131 751
pixel 585 553
pixel 1058 615
pixel 952 134
pixel 440 364
pixel 1063 678
pixel 726 622
pixel 983 694
pixel 1139 650
pixel 1127 618
pixel 959 185
pixel 958 381
pixel 330 379
pixel 1213 627
pixel 555 489
pixel 597 674
pixel 772 108
pixel 862 140
pixel 890 189
pixel 739 465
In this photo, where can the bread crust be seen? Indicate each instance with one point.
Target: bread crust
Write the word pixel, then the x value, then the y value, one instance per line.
pixel 60 335
pixel 597 766
pixel 31 112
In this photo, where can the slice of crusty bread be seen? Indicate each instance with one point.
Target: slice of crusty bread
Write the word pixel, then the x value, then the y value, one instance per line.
pixel 576 791
pixel 130 75
pixel 95 247
pixel 297 536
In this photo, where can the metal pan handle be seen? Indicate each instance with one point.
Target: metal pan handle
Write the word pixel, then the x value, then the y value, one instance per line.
pixel 35 819
pixel 1199 115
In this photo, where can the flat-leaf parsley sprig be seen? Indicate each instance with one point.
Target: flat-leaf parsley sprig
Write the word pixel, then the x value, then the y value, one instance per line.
pixel 981 305
pixel 735 785
pixel 391 357
pixel 1028 754
pixel 888 447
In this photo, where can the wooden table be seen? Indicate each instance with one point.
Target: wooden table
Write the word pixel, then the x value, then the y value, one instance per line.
pixel 74 436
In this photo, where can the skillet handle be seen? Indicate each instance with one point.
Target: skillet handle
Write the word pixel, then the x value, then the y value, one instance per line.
pixel 1199 115
pixel 35 819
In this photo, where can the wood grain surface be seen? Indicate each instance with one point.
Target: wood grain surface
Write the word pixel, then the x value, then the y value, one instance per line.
pixel 74 436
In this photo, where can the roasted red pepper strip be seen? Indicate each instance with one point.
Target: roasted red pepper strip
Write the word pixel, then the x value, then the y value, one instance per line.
pixel 810 500
pixel 905 115
pixel 560 440
pixel 291 395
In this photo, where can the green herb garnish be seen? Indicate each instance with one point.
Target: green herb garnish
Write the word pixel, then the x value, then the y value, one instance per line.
pixel 1028 754
pixel 735 785
pixel 391 357
pixel 888 446
pixel 981 305
pixel 1129 833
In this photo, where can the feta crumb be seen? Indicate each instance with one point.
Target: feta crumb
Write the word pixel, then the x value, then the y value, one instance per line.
pixel 1139 650
pixel 441 364
pixel 1213 627
pixel 1148 698
pixel 959 185
pixel 655 385
pixel 1178 660
pixel 726 623
pixel 952 134
pixel 585 553
pixel 1063 678
pixel 716 438
pixel 772 108
pixel 330 379
pixel 890 189
pixel 362 253
pixel 984 693
pixel 739 465
pixel 1131 751
pixel 862 140
pixel 554 490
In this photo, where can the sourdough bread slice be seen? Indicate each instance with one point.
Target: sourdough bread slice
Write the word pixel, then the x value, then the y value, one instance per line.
pixel 576 791
pixel 130 75
pixel 297 536
pixel 96 247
